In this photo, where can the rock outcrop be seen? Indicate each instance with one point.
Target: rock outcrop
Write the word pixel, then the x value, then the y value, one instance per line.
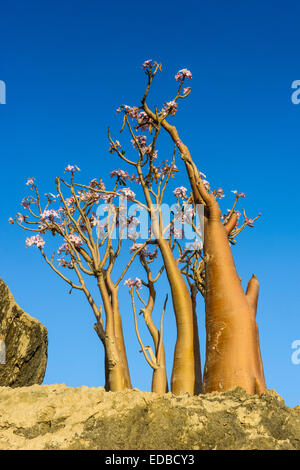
pixel 23 344
pixel 60 417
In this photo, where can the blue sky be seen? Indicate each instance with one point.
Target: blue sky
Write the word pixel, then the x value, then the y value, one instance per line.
pixel 68 65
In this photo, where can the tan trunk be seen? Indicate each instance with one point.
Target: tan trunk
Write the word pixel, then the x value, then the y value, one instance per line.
pixel 115 376
pixel 198 375
pixel 118 328
pixel 159 377
pixel 232 345
pixel 183 375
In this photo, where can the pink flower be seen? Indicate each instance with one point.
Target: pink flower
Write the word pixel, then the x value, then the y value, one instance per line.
pixel 75 239
pixel 11 220
pixel 136 246
pixel 30 181
pixel 140 140
pixel 72 168
pixel 27 201
pixel 120 174
pixel 144 121
pixel 238 194
pixel 70 201
pixel 182 74
pixel 180 192
pixel 20 217
pixel 133 112
pixel 128 193
pixel 35 240
pixel 64 263
pixel 165 168
pixel 170 107
pixel 97 184
pixel 148 64
pixel 220 193
pixel 137 283
pixel 49 214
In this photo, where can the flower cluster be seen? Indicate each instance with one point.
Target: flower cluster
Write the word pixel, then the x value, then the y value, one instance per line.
pixel 72 238
pixel 36 240
pixel 180 192
pixel 187 90
pixel 128 193
pixel 139 141
pixel 182 74
pixel 149 64
pixel 220 193
pixel 49 214
pixel 30 182
pixel 27 201
pixel 120 174
pixel 171 107
pixel 238 194
pixel 64 263
pixel 72 168
pixel 144 121
pixel 137 283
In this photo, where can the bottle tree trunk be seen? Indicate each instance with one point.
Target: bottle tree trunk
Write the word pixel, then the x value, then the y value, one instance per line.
pixel 115 377
pixel 159 377
pixel 183 374
pixel 233 355
pixel 183 377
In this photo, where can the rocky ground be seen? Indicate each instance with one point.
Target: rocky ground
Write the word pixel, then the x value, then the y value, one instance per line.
pixel 60 417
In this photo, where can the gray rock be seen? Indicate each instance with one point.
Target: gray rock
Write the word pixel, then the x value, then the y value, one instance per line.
pixel 23 344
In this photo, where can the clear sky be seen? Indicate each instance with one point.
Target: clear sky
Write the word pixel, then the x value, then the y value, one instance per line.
pixel 68 65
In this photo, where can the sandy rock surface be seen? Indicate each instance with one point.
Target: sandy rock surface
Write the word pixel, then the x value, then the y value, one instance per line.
pixel 60 417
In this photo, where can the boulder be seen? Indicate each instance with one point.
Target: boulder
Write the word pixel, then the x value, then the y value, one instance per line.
pixel 23 344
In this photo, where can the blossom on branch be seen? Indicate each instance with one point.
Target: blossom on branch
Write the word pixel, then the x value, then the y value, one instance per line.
pixel 180 192
pixel 35 240
pixel 238 194
pixel 130 195
pixel 149 64
pixel 72 168
pixel 187 90
pixel 30 181
pixel 137 283
pixel 171 107
pixel 182 74
pixel 121 174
